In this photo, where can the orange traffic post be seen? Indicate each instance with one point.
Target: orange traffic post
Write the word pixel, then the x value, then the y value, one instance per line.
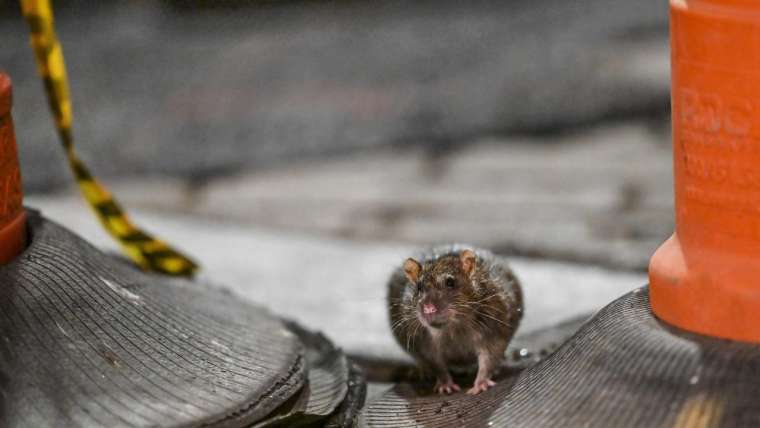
pixel 706 277
pixel 12 217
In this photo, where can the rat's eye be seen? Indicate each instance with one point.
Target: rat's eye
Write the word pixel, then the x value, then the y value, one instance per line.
pixel 450 283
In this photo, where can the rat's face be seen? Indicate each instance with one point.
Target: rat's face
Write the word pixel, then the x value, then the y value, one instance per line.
pixel 441 287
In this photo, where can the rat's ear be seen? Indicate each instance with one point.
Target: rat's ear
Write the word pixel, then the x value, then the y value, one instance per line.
pixel 467 257
pixel 412 270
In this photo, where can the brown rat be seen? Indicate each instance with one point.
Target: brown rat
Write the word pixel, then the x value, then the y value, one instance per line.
pixel 455 305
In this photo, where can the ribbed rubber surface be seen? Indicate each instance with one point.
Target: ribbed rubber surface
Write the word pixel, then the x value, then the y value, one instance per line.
pixel 347 414
pixel 89 341
pixel 622 369
pixel 530 348
pixel 326 386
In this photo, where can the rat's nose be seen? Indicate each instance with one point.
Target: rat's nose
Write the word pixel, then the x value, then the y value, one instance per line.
pixel 429 309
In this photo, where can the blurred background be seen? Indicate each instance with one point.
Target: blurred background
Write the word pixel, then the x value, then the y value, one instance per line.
pixel 537 128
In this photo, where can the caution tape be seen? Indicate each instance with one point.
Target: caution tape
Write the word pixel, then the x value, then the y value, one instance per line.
pixel 145 250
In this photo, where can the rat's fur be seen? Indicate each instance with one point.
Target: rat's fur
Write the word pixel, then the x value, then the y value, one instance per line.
pixel 480 310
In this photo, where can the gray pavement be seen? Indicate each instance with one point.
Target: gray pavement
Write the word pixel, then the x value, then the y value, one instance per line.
pixel 197 94
pixel 601 195
pixel 337 285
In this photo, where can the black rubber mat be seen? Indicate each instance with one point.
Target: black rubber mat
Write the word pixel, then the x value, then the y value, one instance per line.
pixel 621 369
pixel 530 348
pixel 88 341
pixel 524 351
pixel 347 414
pixel 325 388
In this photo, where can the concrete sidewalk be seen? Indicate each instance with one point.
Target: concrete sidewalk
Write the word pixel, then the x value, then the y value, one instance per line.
pixel 337 285
pixel 202 92
pixel 597 196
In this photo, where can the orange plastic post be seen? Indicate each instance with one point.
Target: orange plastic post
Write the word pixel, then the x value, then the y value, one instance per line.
pixel 706 277
pixel 12 217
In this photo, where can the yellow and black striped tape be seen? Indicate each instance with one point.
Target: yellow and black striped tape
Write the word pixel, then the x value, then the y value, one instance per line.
pixel 148 252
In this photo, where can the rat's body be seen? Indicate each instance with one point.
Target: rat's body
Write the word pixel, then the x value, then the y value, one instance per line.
pixel 455 306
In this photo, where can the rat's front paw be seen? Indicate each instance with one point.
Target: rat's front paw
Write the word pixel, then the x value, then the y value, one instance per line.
pixel 480 386
pixel 446 387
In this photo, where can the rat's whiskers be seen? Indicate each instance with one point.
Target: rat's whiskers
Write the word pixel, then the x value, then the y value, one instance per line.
pixel 492 318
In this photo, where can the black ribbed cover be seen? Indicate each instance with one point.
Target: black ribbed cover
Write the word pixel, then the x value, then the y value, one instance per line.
pixel 347 414
pixel 622 369
pixel 86 340
pixel 325 388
